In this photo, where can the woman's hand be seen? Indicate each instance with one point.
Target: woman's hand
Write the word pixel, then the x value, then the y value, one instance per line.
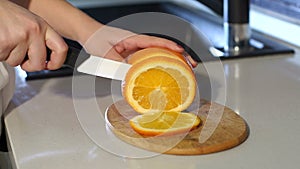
pixel 23 33
pixel 117 44
pixel 137 42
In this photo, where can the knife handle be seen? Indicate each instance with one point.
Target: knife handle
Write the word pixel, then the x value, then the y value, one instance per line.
pixel 72 57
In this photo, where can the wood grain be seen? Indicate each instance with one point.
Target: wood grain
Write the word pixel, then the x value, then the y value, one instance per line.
pixel 221 129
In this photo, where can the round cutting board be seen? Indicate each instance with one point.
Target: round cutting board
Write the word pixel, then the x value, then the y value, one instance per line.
pixel 220 129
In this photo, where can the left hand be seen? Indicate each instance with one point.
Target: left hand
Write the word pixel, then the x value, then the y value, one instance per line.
pixel 137 42
pixel 117 44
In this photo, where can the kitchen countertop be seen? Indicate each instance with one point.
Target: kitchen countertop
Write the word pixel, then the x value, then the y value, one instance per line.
pixel 44 131
pixel 59 122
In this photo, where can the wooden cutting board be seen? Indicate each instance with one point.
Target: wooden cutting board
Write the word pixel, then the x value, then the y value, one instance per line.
pixel 221 129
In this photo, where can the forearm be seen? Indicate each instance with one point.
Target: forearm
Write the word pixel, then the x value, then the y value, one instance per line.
pixel 69 21
pixel 72 23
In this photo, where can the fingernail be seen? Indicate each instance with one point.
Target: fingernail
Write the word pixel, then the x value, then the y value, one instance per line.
pixel 180 47
pixel 46 66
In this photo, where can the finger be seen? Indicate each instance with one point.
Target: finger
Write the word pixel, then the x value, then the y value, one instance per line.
pixel 122 51
pixel 137 42
pixel 4 53
pixel 114 55
pixel 17 55
pixel 58 49
pixel 191 61
pixel 149 41
pixel 171 45
pixel 36 56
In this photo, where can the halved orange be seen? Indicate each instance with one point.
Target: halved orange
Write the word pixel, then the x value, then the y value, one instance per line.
pixel 159 84
pixel 167 123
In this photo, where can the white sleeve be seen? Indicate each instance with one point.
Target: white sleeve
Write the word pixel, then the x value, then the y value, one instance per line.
pixel 7 85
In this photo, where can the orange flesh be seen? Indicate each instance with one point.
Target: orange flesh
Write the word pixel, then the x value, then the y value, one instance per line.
pixel 156 80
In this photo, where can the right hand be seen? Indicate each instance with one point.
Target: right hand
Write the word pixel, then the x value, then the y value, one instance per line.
pixel 23 33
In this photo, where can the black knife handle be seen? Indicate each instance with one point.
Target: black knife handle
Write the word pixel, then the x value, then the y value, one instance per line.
pixel 72 56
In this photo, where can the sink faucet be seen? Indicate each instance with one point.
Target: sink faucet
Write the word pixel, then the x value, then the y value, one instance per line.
pixel 237 32
pixel 239 40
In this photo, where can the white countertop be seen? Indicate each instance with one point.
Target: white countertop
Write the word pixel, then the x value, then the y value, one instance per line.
pixel 49 126
pixel 44 131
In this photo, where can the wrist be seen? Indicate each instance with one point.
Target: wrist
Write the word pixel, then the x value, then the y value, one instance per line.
pixel 104 39
pixel 85 30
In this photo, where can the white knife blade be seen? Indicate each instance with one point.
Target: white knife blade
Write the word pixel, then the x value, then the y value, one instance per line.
pixel 99 66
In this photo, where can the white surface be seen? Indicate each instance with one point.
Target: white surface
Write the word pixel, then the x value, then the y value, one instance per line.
pixel 7 81
pixel 45 133
pixel 3 82
pixel 275 27
pixel 3 76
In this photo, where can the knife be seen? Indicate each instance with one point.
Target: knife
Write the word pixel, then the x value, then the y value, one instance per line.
pixel 98 66
pixel 82 62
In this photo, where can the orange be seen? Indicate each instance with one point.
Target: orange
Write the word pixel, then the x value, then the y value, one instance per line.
pixel 167 123
pixel 159 84
pixel 155 51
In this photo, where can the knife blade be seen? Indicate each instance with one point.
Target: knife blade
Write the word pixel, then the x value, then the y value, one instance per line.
pixel 99 66
pixel 81 61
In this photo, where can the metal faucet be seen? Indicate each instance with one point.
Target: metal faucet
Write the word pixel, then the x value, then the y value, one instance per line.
pixel 237 31
pixel 239 40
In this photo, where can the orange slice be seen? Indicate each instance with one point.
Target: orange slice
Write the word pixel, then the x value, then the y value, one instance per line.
pixel 167 123
pixel 155 51
pixel 159 84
